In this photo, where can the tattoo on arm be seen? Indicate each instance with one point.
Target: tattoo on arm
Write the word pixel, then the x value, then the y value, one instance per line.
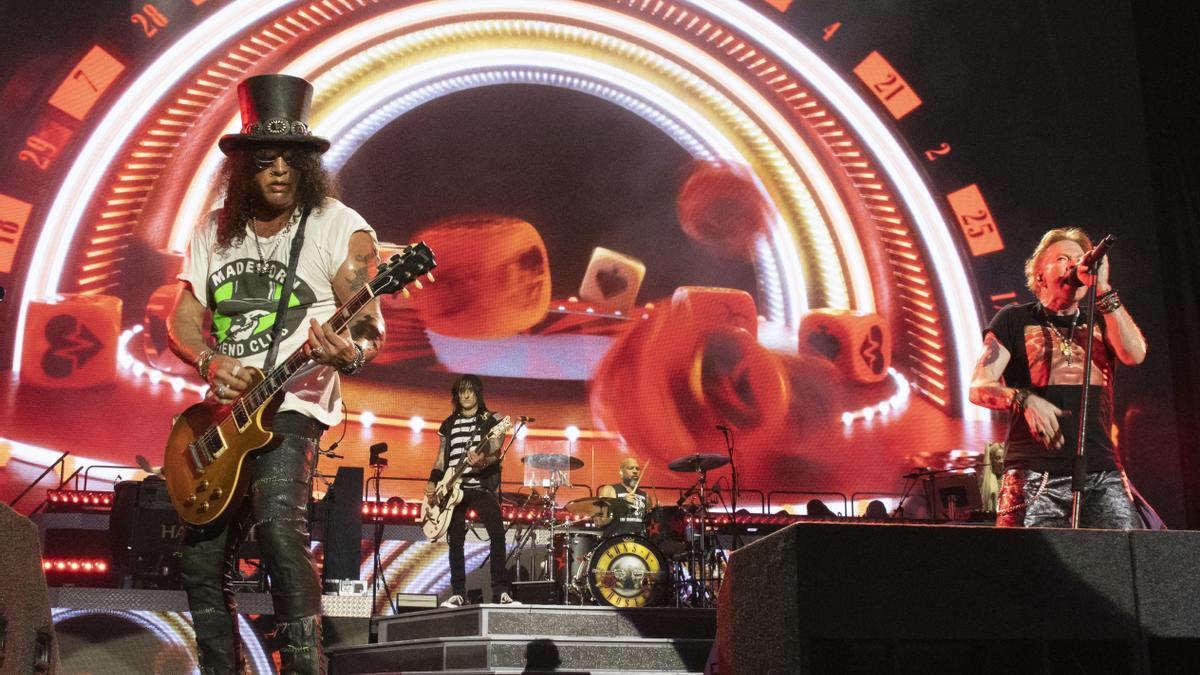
pixel 359 278
pixel 366 327
pixel 991 351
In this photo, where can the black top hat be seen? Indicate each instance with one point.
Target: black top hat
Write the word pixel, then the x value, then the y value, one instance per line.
pixel 274 110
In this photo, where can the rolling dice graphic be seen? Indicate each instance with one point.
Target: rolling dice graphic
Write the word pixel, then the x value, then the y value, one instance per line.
pixel 612 279
pixel 71 341
pixel 858 343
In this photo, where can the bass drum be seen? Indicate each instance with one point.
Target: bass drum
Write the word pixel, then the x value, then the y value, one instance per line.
pixel 626 570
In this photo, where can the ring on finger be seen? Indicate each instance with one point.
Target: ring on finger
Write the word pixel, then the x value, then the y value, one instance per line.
pixel 317 352
pixel 220 391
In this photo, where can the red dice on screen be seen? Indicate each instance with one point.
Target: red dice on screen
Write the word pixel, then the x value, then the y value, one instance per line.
pixel 709 307
pixel 859 344
pixel 70 342
pixel 493 277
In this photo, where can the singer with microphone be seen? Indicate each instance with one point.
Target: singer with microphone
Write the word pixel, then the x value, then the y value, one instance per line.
pixel 629 516
pixel 461 437
pixel 1032 365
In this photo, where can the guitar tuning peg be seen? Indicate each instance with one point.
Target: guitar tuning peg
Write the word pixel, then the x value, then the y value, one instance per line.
pixel 417 283
pixel 429 276
pixel 405 293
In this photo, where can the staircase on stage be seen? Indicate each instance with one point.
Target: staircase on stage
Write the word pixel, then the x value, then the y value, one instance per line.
pixel 534 638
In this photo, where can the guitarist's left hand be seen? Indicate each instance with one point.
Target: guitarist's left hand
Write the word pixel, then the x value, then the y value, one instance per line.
pixel 328 347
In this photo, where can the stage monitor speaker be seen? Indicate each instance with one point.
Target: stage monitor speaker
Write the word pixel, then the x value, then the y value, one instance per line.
pixel 536 592
pixel 146 534
pixel 27 642
pixel 342 525
pixel 845 598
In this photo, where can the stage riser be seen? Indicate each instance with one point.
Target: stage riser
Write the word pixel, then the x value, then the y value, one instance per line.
pixel 512 652
pixel 540 621
pixel 833 598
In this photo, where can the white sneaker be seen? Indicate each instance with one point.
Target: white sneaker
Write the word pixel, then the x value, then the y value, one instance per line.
pixel 455 601
pixel 506 599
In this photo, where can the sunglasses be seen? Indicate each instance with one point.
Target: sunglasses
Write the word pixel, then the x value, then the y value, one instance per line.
pixel 265 159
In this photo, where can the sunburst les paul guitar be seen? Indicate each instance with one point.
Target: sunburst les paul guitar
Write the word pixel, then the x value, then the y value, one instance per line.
pixel 209 442
pixel 436 511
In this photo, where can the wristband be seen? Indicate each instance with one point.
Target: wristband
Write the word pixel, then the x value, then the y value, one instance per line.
pixel 1019 397
pixel 1108 302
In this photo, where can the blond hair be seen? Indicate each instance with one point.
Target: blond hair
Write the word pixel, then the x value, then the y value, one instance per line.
pixel 1049 239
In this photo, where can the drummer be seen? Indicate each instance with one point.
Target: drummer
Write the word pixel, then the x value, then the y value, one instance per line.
pixel 628 513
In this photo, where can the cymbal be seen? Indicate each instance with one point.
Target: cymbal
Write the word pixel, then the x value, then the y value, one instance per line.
pixel 553 462
pixel 591 506
pixel 697 462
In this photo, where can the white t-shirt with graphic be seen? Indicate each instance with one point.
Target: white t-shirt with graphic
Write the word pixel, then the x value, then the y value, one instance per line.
pixel 242 292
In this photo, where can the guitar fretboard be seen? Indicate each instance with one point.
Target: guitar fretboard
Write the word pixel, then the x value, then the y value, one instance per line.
pixel 254 399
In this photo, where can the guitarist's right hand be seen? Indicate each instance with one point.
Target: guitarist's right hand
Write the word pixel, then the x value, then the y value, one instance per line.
pixel 227 378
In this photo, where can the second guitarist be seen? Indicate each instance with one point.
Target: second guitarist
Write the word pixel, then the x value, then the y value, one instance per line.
pixel 460 434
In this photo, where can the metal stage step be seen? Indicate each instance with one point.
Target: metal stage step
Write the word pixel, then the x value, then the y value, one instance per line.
pixel 534 638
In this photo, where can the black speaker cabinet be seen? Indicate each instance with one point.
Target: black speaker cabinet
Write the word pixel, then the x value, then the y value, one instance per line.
pixel 858 598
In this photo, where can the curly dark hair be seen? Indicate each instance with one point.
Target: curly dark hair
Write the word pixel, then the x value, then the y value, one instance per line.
pixel 237 177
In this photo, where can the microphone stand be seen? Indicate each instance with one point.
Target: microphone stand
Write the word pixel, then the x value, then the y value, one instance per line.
pixel 1079 471
pixel 736 540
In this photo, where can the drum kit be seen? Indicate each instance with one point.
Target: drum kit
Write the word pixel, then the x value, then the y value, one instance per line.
pixel 671 558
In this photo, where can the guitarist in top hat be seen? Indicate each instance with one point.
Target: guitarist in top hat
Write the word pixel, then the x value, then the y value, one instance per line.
pixel 466 436
pixel 236 267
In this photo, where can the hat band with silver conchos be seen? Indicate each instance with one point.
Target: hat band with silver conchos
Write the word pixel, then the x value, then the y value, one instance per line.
pixel 277 127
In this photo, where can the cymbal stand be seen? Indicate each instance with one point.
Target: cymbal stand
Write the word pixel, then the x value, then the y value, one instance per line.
pixel 551 511
pixel 697 560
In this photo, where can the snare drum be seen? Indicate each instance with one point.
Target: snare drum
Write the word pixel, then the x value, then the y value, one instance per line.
pixel 666 527
pixel 626 570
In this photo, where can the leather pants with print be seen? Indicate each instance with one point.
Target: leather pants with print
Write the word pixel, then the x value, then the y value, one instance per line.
pixel 1026 502
pixel 276 509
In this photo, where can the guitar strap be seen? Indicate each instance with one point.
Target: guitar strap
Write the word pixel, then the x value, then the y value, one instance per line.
pixel 286 293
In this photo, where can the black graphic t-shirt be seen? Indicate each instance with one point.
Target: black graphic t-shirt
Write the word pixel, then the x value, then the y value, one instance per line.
pixel 628 518
pixel 1035 340
pixel 241 285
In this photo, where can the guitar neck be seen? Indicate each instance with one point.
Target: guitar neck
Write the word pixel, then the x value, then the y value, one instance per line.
pixel 460 468
pixel 280 374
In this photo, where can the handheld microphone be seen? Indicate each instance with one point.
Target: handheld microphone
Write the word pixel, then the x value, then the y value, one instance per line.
pixel 1092 257
pixel 523 418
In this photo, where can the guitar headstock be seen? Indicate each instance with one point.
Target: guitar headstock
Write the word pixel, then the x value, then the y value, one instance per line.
pixel 503 427
pixel 404 268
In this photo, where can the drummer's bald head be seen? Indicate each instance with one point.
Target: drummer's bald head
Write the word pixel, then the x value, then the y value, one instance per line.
pixel 629 463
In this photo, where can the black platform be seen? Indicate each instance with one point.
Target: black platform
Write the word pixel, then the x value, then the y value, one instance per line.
pixel 845 598
pixel 535 638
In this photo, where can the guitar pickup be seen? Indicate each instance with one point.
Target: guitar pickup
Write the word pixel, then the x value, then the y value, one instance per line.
pixel 193 456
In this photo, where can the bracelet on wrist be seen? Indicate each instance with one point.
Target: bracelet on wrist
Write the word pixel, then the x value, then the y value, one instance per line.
pixel 1108 302
pixel 202 362
pixel 356 365
pixel 1019 397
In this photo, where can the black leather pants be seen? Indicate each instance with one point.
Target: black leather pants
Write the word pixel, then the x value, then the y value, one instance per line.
pixel 1034 499
pixel 276 509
